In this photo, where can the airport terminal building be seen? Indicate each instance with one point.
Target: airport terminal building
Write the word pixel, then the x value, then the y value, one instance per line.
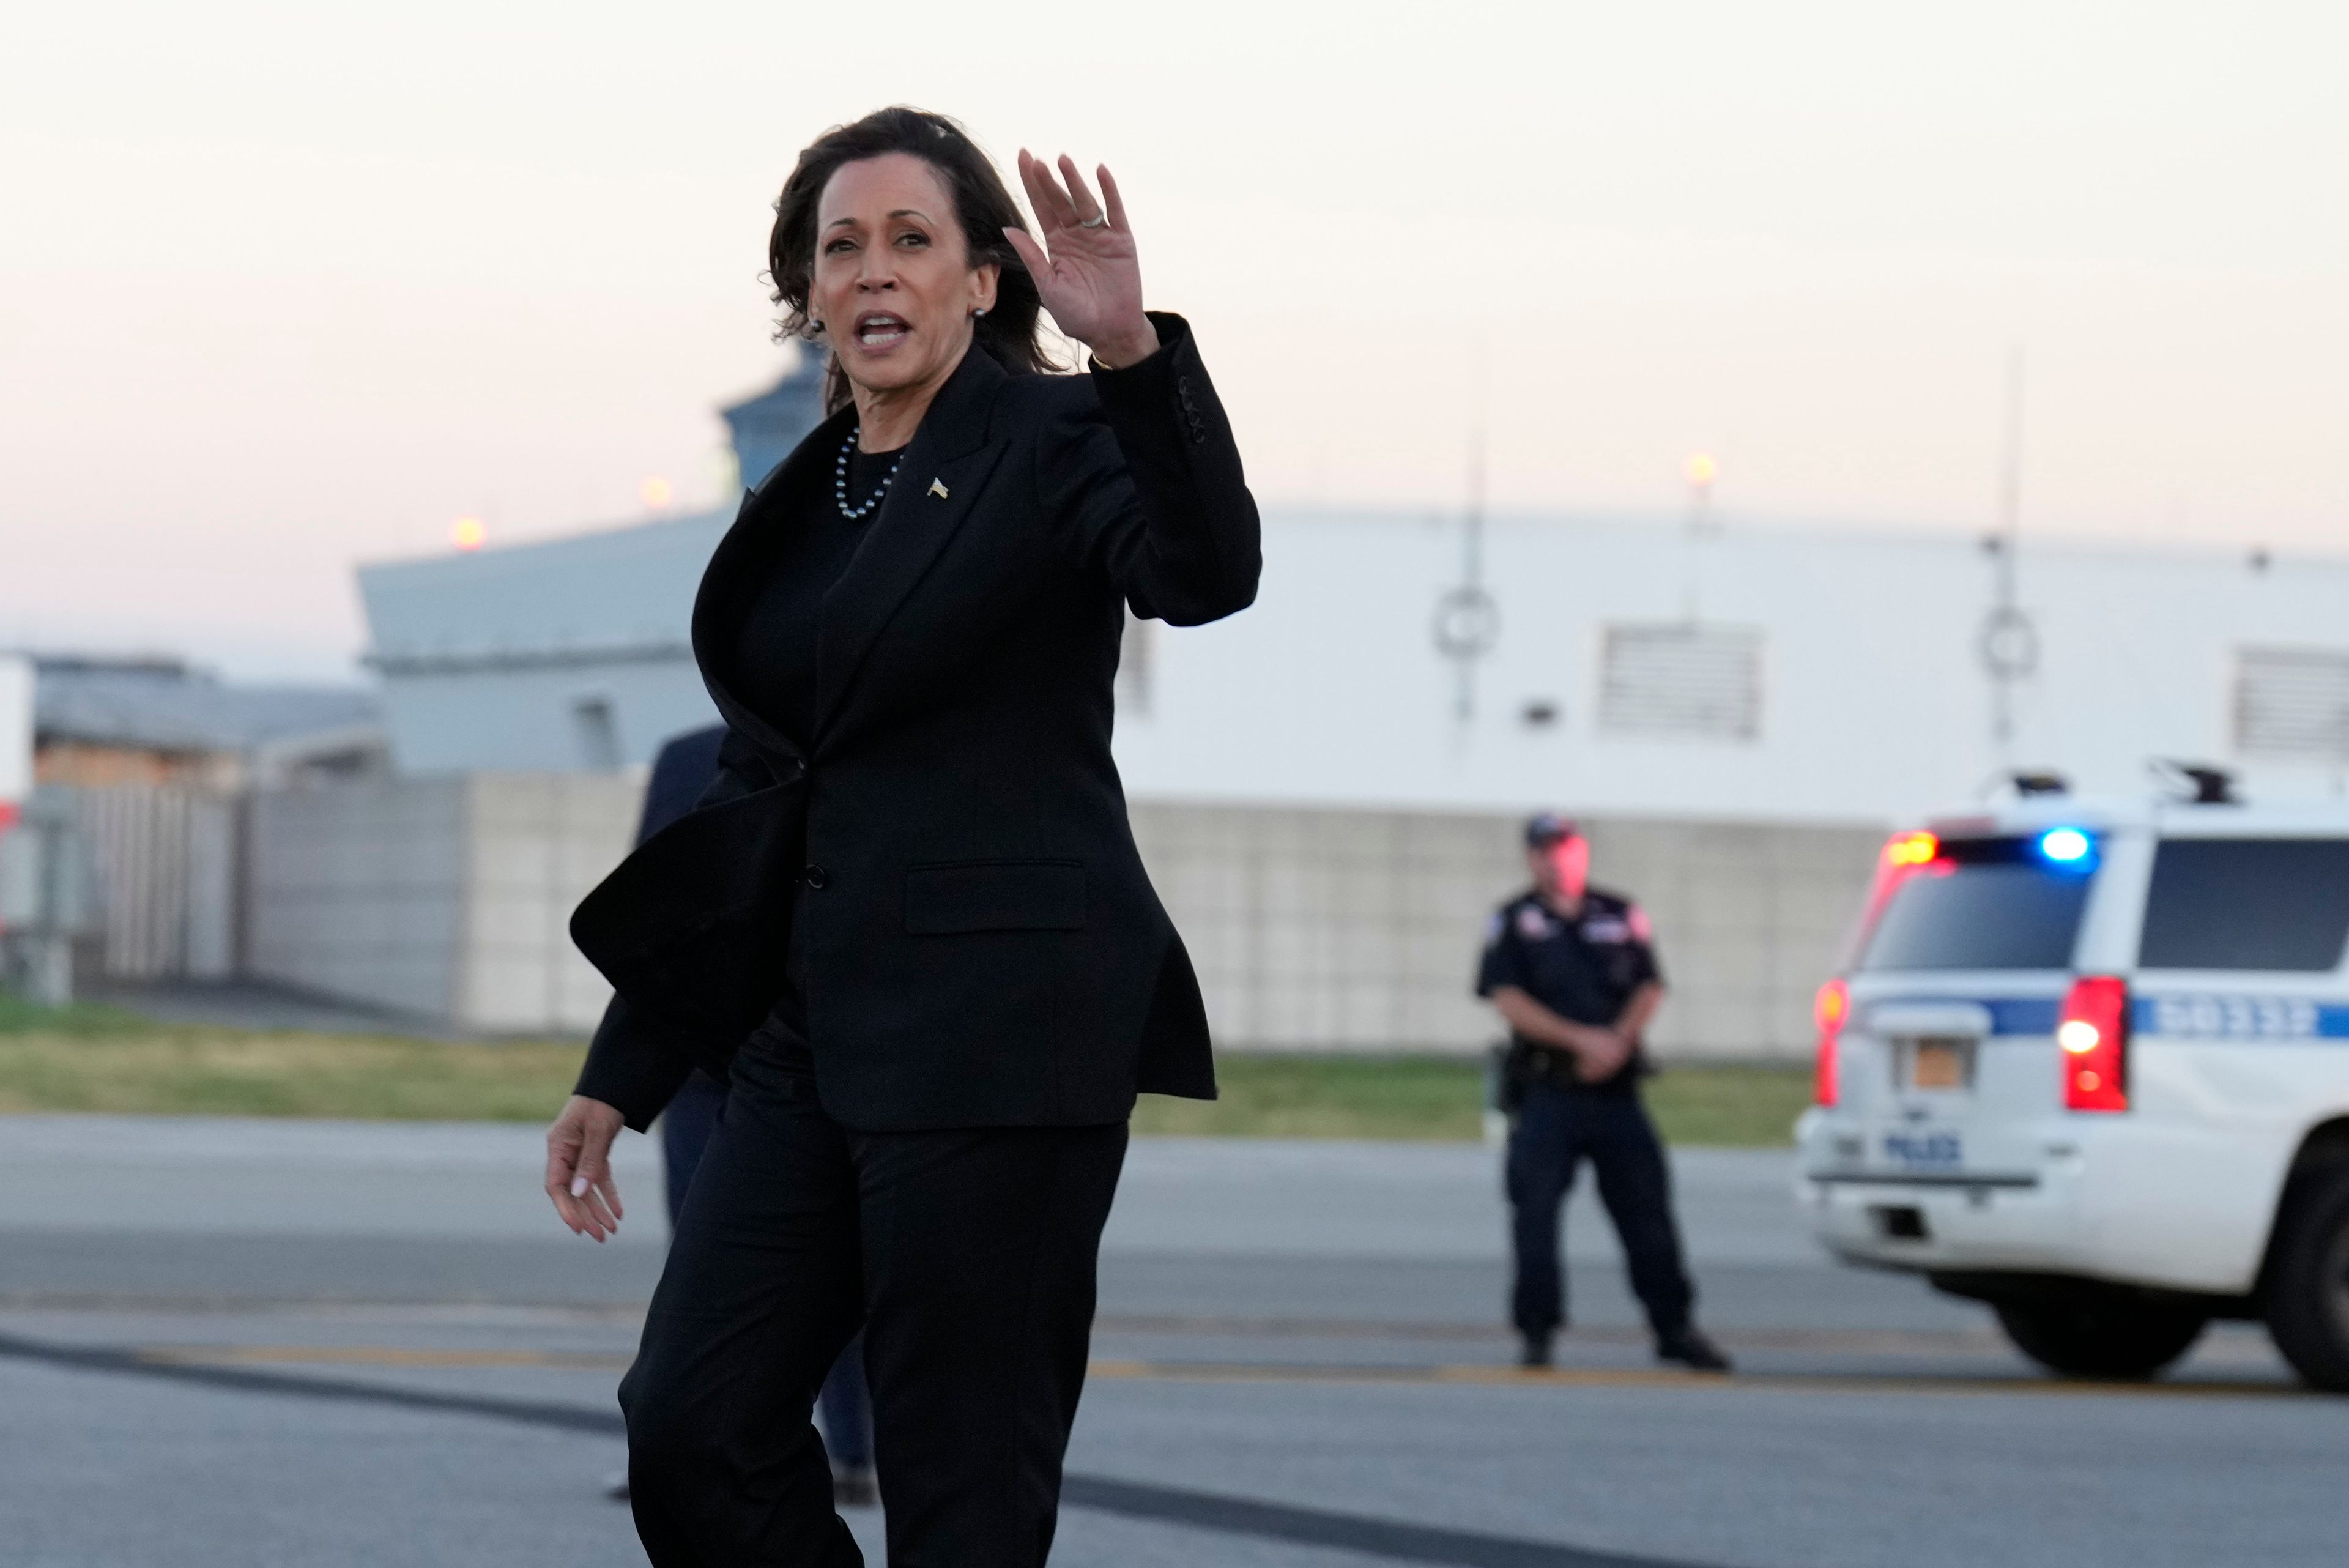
pixel 1325 786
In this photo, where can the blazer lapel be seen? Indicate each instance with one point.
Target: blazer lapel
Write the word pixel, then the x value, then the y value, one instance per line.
pixel 737 569
pixel 943 471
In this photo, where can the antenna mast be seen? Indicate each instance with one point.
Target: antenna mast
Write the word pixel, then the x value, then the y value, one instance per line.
pixel 1468 619
pixel 2008 643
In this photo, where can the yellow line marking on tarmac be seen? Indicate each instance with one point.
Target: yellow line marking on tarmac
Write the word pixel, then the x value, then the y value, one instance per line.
pixel 378 1355
pixel 1633 1378
pixel 1272 1372
pixel 1867 1341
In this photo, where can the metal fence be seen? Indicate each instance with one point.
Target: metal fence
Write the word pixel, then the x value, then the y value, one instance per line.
pixel 166 864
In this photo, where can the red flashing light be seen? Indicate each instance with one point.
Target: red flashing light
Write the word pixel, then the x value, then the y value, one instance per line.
pixel 2092 1038
pixel 1831 1008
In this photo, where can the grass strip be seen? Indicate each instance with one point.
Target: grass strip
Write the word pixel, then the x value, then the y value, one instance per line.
pixel 92 1058
pixel 164 1071
pixel 1442 1099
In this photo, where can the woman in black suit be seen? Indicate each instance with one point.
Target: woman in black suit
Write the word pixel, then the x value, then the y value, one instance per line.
pixel 909 921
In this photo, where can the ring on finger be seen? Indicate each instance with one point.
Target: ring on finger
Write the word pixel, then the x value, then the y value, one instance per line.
pixel 1098 221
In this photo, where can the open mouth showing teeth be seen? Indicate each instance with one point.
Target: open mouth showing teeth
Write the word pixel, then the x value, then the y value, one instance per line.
pixel 880 329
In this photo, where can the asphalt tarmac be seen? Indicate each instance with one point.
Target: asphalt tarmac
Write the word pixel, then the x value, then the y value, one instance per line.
pixel 250 1343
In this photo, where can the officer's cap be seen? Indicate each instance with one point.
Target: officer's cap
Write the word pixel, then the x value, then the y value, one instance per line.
pixel 1545 828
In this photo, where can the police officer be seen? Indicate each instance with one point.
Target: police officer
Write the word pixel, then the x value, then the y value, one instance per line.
pixel 1570 968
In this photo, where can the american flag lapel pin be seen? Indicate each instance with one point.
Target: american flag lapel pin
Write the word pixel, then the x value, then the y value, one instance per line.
pixel 938 488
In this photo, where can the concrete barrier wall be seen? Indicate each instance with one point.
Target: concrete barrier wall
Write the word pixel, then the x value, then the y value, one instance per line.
pixel 357 892
pixel 1316 929
pixel 446 899
pixel 1749 920
pixel 1328 930
pixel 1311 929
pixel 539 843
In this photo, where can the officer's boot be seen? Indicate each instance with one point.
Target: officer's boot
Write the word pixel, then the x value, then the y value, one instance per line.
pixel 1690 1347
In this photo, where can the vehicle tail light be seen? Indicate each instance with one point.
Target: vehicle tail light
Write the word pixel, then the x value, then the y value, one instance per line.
pixel 2093 1036
pixel 1832 1006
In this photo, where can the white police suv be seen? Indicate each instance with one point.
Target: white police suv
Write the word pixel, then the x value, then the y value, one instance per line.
pixel 2089 1064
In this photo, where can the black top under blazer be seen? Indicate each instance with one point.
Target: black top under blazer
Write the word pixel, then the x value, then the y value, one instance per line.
pixel 982 946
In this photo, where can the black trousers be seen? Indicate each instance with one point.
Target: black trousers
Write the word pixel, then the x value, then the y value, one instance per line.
pixel 967 1256
pixel 1556 1130
pixel 844 1409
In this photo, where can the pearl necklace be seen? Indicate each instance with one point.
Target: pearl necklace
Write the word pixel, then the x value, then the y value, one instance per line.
pixel 840 480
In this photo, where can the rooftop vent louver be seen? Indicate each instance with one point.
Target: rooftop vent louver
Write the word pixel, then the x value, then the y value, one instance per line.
pixel 1682 682
pixel 2293 703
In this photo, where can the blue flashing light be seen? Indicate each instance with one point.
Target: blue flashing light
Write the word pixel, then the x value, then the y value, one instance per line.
pixel 2065 846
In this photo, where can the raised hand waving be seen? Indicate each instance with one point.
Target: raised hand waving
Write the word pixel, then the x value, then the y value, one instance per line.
pixel 1083 261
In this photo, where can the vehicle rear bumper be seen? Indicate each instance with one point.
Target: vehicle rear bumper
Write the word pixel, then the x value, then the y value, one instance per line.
pixel 1993 1221
pixel 2097 1211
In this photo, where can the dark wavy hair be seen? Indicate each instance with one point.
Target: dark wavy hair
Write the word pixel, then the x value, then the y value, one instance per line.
pixel 1012 331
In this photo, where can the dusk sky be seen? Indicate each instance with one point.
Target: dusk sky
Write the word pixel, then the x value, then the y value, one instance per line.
pixel 287 287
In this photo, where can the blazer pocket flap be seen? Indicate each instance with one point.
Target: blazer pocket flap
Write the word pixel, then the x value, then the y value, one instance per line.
pixel 994 895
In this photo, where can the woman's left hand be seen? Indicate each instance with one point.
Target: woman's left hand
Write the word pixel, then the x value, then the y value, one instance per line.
pixel 1091 279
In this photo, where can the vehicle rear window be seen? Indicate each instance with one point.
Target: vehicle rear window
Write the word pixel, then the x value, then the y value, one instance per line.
pixel 2247 903
pixel 1985 904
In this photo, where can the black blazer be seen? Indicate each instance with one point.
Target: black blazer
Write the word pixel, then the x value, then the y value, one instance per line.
pixel 983 947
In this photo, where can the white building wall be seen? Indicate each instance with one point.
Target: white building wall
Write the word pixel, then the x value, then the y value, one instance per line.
pixel 1875 707
pixel 532 720
pixel 487 659
pixel 1329 690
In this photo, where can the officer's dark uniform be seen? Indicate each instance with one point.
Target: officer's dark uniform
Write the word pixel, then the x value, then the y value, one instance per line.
pixel 1585 970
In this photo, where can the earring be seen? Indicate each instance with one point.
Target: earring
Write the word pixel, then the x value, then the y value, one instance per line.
pixel 815 329
pixel 977 311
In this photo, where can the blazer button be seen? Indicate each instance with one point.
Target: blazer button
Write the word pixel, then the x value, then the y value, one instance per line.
pixel 818 878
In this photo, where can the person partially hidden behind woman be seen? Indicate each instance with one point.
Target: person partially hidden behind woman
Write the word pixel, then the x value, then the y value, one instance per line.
pixel 909 922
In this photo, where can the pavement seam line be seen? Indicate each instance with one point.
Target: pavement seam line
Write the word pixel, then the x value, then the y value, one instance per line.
pixel 1394 1540
pixel 1277 1372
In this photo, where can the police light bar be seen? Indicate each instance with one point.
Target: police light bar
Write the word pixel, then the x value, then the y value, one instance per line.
pixel 1912 849
pixel 2067 846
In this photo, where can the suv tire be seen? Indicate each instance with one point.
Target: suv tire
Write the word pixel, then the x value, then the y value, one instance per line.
pixel 2106 1333
pixel 2308 1289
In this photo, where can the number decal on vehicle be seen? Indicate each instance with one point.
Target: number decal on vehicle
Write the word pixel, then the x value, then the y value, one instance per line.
pixel 2236 1017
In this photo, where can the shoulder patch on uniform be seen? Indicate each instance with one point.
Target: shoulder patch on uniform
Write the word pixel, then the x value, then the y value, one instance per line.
pixel 1493 926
